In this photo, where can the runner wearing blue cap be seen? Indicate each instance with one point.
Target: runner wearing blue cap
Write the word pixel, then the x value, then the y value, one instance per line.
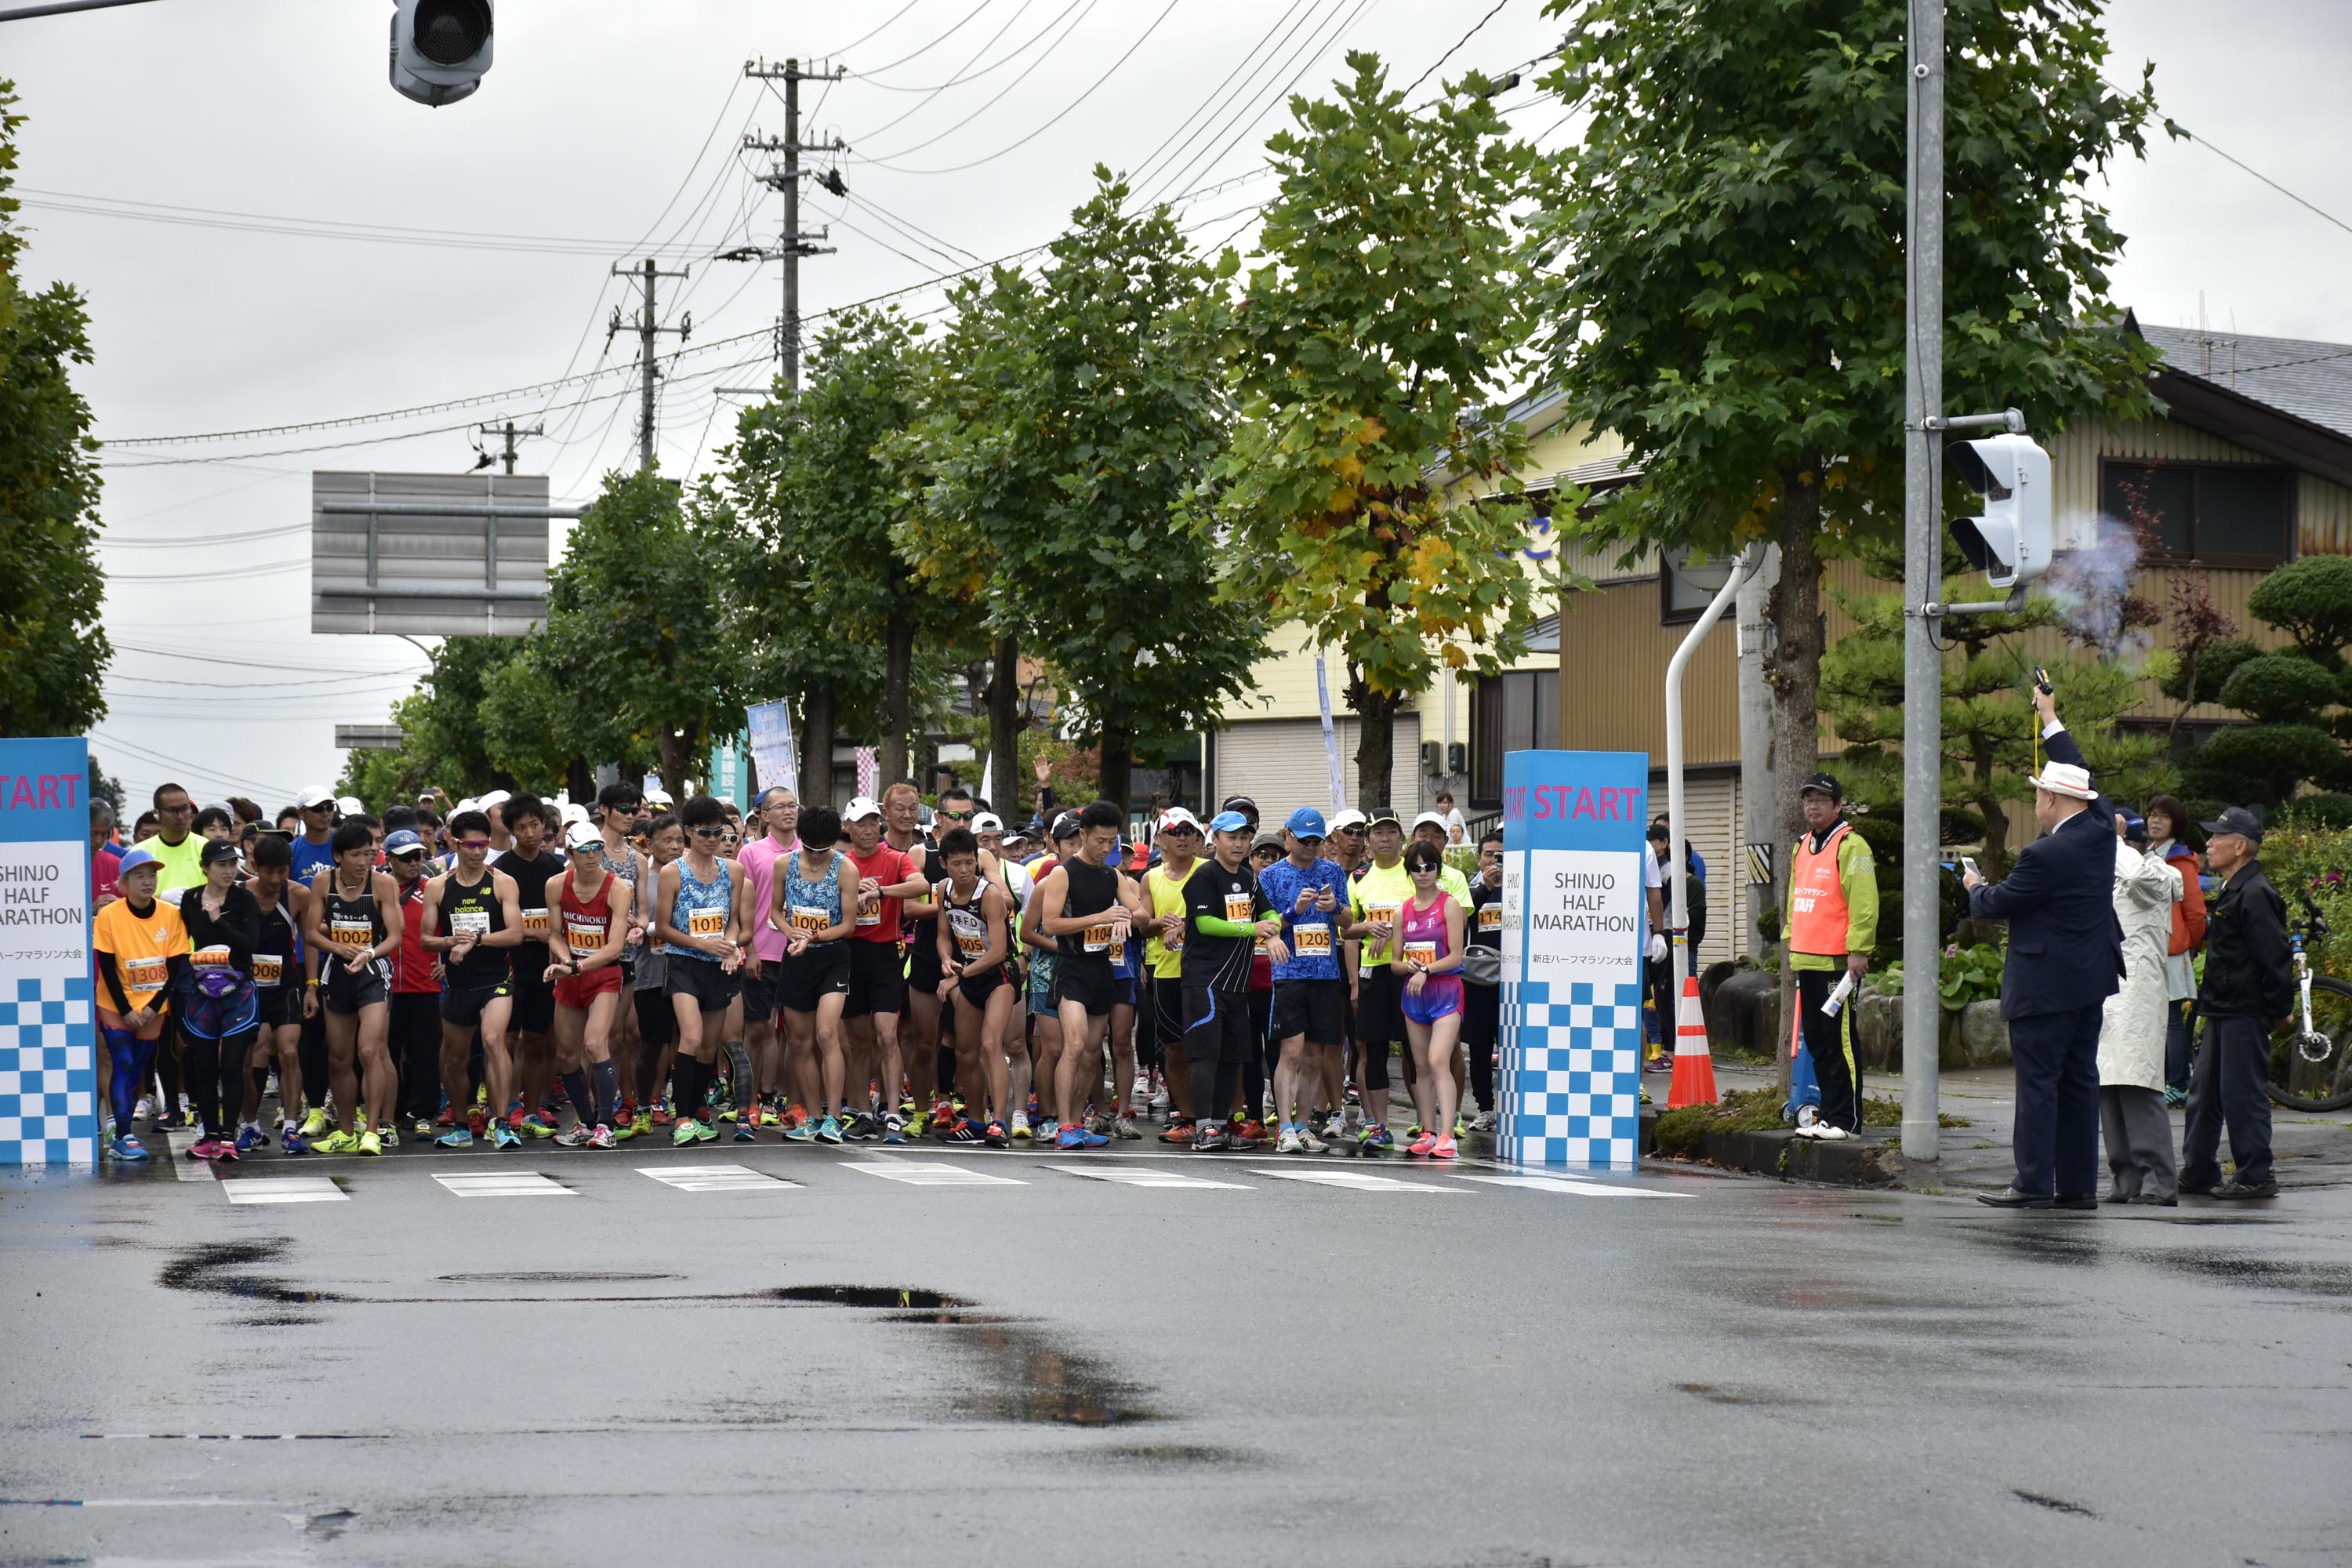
pixel 1224 914
pixel 1310 894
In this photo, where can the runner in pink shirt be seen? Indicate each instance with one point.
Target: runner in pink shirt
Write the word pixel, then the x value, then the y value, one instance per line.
pixel 779 810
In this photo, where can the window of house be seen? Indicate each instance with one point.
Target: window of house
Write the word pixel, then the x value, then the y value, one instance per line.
pixel 2225 514
pixel 1686 590
pixel 1517 711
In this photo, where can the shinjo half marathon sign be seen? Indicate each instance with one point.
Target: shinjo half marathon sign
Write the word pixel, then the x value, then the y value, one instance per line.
pixel 1575 925
pixel 48 1037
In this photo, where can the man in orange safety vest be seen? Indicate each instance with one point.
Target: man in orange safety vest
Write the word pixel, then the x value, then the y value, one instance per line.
pixel 1832 922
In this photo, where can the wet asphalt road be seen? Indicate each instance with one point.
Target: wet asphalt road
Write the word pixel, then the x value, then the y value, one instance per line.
pixel 1443 1371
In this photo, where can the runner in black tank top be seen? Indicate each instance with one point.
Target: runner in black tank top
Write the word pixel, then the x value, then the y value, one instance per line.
pixel 1079 906
pixel 473 918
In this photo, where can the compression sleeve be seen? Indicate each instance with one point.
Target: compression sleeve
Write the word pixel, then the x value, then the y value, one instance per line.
pixel 1217 925
pixel 113 978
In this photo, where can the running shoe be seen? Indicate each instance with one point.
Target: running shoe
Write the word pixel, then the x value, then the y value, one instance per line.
pixel 250 1137
pixel 802 1132
pixel 455 1138
pixel 421 1130
pixel 314 1126
pixel 388 1135
pixel 704 1132
pixel 369 1142
pixel 1212 1136
pixel 1376 1140
pixel 1460 1128
pixel 1159 1101
pixel 916 1125
pixel 293 1142
pixel 1072 1136
pixel 1178 1132
pixel 1414 1132
pixel 229 1151
pixel 337 1142
pixel 1444 1150
pixel 1307 1143
pixel 829 1131
pixel 1482 1122
pixel 894 1127
pixel 145 1108
pixel 661 1114
pixel 1337 1127
pixel 172 1120
pixel 1140 1091
pixel 478 1123
pixel 994 1135
pixel 795 1115
pixel 1126 1129
pixel 642 1126
pixel 540 1123
pixel 1288 1143
pixel 963 1131
pixel 1236 1138
pixel 1254 1130
pixel 943 1110
pixel 1020 1128
pixel 745 1133
pixel 504 1137
pixel 447 1119
pixel 126 1146
pixel 575 1136
pixel 602 1137
pixel 1420 1147
pixel 204 1149
pixel 683 1132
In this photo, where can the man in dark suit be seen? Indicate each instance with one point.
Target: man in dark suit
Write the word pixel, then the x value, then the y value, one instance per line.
pixel 2065 959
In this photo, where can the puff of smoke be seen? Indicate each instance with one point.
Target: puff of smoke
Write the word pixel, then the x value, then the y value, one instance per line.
pixel 2089 586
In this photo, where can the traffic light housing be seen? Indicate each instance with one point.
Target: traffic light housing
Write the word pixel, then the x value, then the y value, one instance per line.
pixel 2009 540
pixel 440 48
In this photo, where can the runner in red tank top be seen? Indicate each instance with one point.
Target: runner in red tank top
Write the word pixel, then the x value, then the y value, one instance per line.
pixel 590 932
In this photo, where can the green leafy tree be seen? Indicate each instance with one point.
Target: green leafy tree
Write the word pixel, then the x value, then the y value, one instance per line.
pixel 1728 299
pixel 443 744
pixel 827 585
pixel 53 651
pixel 1100 409
pixel 1392 304
pixel 2294 696
pixel 636 624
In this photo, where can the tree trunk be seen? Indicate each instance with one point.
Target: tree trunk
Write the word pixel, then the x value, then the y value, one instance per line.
pixel 675 758
pixel 897 673
pixel 1117 745
pixel 1376 714
pixel 580 780
pixel 1794 674
pixel 1006 780
pixel 1989 804
pixel 816 745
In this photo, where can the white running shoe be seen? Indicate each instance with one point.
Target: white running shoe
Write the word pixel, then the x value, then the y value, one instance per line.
pixel 1288 1143
pixel 1124 1128
pixel 1482 1122
pixel 1338 1126
pixel 1827 1132
pixel 1141 1093
pixel 1307 1143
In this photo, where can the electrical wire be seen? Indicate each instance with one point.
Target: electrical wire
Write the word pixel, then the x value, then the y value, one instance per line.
pixel 1476 28
pixel 182 655
pixel 1313 52
pixel 935 43
pixel 203 540
pixel 876 33
pixel 1157 160
pixel 159 758
pixel 1004 92
pixel 314 228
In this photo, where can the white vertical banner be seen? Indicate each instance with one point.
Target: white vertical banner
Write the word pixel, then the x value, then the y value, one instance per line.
pixel 770 725
pixel 1330 735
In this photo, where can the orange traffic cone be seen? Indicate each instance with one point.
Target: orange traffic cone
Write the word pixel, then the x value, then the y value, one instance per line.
pixel 1694 1082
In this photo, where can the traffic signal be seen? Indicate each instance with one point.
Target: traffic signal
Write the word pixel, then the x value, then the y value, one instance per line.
pixel 440 48
pixel 2009 542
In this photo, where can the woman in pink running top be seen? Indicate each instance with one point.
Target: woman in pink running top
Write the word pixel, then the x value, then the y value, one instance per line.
pixel 1429 956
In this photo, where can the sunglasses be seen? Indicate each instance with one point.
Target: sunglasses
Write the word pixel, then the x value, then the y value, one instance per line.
pixel 473 843
pixel 955 816
pixel 1308 838
pixel 708 832
pixel 406 855
pixel 587 848
pixel 1355 832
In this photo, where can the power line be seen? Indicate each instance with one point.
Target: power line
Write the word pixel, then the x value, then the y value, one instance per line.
pixel 203 540
pixel 2299 201
pixel 315 228
pixel 969 18
pixel 1207 107
pixel 1001 93
pixel 182 655
pixel 876 33
pixel 1315 51
pixel 1476 28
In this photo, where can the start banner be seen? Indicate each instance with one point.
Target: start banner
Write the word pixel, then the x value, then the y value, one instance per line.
pixel 49 1070
pixel 1575 926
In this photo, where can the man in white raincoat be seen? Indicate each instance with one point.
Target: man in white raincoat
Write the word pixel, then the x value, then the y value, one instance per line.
pixel 2132 1118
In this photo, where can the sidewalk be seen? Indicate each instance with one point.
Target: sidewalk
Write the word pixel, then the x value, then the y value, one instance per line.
pixel 2312 1149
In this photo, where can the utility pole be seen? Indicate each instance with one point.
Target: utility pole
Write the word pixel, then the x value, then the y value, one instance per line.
pixel 648 328
pixel 1922 573
pixel 510 432
pixel 792 244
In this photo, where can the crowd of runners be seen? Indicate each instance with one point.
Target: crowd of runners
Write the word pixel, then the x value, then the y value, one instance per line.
pixel 505 970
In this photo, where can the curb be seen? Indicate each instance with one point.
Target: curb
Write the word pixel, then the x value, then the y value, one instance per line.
pixel 1779 1153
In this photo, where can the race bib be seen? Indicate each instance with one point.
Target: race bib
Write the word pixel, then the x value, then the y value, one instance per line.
pixel 144 974
pixel 705 922
pixel 1421 952
pixel 352 933
pixel 1381 914
pixel 801 917
pixel 1097 939
pixel 584 932
pixel 1118 953
pixel 1174 943
pixel 1311 942
pixel 970 935
pixel 1238 906
pixel 535 924
pixel 971 944
pixel 268 969
pixel 1491 917
pixel 209 958
pixel 872 917
pixel 469 922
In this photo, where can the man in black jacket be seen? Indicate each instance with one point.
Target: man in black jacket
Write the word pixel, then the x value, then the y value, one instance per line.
pixel 2249 984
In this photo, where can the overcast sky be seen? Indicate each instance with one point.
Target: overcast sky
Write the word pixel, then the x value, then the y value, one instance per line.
pixel 588 129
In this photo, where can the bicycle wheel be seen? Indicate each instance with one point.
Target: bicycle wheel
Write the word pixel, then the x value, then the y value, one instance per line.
pixel 2313 1071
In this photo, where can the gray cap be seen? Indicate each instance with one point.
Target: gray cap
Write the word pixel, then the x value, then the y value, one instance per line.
pixel 2237 819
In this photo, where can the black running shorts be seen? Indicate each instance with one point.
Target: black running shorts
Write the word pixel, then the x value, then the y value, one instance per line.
pixel 1312 1008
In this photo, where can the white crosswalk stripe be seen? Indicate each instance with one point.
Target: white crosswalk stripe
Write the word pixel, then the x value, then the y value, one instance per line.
pixel 1356 1180
pixel 1563 1187
pixel 504 1184
pixel 1136 1176
pixel 919 1173
pixel 283 1190
pixel 717 1179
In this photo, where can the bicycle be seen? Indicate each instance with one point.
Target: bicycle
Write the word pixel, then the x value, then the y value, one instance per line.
pixel 2311 1052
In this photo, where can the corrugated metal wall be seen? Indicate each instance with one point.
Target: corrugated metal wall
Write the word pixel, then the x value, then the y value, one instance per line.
pixel 1612 672
pixel 1280 764
pixel 1712 809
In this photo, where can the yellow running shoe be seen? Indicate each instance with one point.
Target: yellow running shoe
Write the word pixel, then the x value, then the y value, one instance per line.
pixel 336 1142
pixel 314 1126
pixel 368 1142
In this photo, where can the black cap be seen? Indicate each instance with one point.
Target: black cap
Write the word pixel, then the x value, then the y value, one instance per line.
pixel 1827 785
pixel 1379 814
pixel 216 850
pixel 2237 819
pixel 1066 826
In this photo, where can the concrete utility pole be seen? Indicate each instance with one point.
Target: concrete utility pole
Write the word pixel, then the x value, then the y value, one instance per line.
pixel 648 329
pixel 1756 762
pixel 792 244
pixel 1923 562
pixel 510 432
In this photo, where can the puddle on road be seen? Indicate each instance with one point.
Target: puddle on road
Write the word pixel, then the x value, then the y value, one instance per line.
pixel 1165 1456
pixel 219 1268
pixel 2330 1280
pixel 1019 1372
pixel 553 1278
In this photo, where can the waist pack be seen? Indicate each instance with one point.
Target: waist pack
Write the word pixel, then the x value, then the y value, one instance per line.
pixel 1482 965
